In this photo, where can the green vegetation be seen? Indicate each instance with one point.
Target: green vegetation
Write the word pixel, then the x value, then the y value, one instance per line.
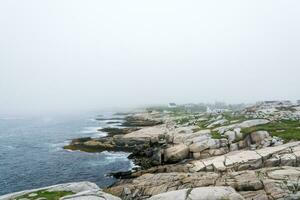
pixel 234 117
pixel 285 129
pixel 216 135
pixel 196 129
pixel 56 195
pixel 228 115
pixel 183 120
pixel 202 124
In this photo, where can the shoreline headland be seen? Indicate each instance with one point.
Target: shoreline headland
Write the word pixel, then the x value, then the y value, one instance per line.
pixel 248 153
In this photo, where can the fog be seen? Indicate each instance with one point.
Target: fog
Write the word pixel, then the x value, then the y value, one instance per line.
pixel 72 55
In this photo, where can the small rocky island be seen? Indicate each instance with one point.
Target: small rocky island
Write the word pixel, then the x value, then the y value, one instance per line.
pixel 242 152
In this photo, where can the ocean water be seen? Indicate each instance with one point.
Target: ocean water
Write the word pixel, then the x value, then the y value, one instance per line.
pixel 31 153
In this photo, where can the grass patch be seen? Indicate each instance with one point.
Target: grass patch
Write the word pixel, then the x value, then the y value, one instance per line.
pixel 183 120
pixel 285 129
pixel 234 117
pixel 196 129
pixel 56 195
pixel 216 135
pixel 202 124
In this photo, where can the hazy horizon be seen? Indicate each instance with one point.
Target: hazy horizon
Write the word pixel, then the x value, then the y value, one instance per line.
pixel 71 56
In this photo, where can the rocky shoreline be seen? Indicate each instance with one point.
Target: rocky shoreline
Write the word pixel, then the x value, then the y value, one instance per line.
pixel 251 153
pixel 201 149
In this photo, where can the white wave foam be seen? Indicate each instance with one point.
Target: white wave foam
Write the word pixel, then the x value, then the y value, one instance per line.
pixel 115 156
pixel 110 158
pixel 91 129
pixel 112 120
pixel 99 134
pixel 58 146
pixel 119 154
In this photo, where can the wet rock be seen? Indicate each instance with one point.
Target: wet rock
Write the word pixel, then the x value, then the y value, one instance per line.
pixel 118 131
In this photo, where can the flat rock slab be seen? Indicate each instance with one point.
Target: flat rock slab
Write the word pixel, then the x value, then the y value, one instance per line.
pixel 202 193
pixel 178 195
pixel 247 159
pixel 240 157
pixel 91 195
pixel 147 133
pixel 286 173
pixel 75 187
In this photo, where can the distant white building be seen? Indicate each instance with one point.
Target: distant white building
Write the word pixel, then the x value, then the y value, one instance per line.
pixel 208 110
pixel 172 105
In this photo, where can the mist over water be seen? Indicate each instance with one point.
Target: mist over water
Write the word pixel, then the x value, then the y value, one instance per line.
pixel 75 56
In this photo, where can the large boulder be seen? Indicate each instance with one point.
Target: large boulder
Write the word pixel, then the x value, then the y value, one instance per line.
pixel 178 195
pixel 205 144
pixel 147 134
pixel 198 147
pixel 258 137
pixel 176 153
pixel 187 135
pixel 230 136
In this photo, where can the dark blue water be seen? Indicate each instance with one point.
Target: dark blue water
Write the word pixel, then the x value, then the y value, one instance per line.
pixel 31 153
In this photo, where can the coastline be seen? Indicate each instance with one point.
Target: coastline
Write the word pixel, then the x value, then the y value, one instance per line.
pixel 245 154
pixel 174 144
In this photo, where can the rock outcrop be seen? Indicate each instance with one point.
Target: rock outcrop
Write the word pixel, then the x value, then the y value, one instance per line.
pixel 141 120
pixel 244 124
pixel 81 190
pixel 264 184
pixel 208 156
pixel 203 193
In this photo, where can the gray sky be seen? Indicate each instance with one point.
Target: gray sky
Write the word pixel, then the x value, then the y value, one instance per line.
pixel 74 55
